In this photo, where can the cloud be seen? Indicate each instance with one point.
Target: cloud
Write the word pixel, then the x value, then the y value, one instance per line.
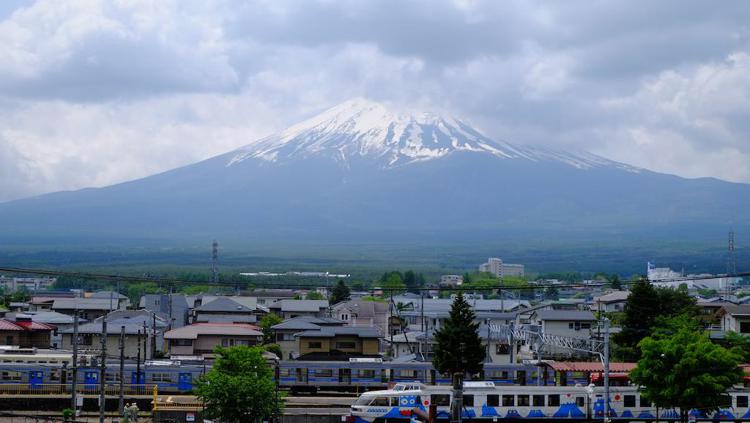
pixel 96 92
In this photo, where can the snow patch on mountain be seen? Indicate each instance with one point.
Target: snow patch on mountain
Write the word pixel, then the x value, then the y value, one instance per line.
pixel 361 128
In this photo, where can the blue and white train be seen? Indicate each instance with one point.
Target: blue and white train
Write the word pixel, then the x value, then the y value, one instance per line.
pixel 483 401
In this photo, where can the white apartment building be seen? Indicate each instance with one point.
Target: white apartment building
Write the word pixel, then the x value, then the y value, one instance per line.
pixel 496 266
pixel 451 280
pixel 12 284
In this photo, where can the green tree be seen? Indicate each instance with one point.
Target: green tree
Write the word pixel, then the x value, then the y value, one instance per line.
pixel 239 387
pixel 340 292
pixel 685 369
pixel 645 306
pixel 394 284
pixel 314 295
pixel 458 345
pixel 551 293
pixel 615 282
pixel 268 321
pixel 738 343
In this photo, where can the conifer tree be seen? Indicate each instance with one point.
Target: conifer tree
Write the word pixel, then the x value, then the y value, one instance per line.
pixel 340 292
pixel 459 348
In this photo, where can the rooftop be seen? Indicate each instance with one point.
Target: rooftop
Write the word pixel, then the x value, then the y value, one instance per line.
pixel 331 331
pixel 565 315
pixel 226 305
pixel 81 304
pixel 299 305
pixel 199 329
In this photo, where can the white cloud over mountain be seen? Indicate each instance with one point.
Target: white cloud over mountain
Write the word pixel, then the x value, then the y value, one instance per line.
pixel 97 92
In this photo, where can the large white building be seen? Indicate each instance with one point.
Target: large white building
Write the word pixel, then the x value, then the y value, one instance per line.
pixel 666 277
pixel 12 284
pixel 496 266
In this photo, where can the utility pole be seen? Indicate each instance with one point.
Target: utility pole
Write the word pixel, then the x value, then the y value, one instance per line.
pixel 121 404
pixel 74 382
pixel 606 370
pixel 145 343
pixel 153 329
pixel 138 361
pixel 103 370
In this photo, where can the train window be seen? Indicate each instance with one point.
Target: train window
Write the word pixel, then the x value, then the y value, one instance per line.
pixel 380 402
pixel 553 400
pixel 393 401
pixel 537 400
pixel 580 401
pixel 367 373
pixel 323 373
pixel 468 400
pixel 161 377
pixel 645 402
pixel 508 400
pixel 523 400
pixel 493 400
pixel 440 399
pixel 11 376
pixel 628 401
pixel 742 401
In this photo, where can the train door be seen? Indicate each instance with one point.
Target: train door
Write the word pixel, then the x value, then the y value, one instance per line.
pixel 432 376
pixel 185 382
pixel 521 377
pixel 35 379
pixel 91 379
pixel 345 375
pixel 134 379
pixel 301 375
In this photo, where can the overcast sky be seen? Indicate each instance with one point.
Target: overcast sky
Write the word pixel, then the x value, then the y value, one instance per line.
pixel 97 92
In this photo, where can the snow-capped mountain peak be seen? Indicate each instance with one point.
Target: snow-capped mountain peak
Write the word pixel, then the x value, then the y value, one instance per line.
pixel 360 128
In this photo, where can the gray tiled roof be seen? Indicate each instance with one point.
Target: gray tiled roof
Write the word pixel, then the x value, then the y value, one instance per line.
pixel 331 331
pixel 224 305
pixel 565 315
pixel 307 322
pixel 198 329
pixel 81 304
pixel 299 305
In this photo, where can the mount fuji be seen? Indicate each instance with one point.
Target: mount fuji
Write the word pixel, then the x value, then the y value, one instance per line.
pixel 362 172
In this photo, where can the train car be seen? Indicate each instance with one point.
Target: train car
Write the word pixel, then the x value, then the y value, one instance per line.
pixel 361 375
pixel 483 401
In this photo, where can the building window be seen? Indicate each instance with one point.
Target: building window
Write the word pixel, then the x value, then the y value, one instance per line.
pixel 9 340
pixel 314 345
pixel 744 327
pixel 85 339
pixel 182 342
pixel 493 400
pixel 468 400
pixel 346 345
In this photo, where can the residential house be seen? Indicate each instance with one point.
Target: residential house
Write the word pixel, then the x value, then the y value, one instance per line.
pixel 611 302
pixel 88 308
pixel 174 308
pixel 265 297
pixel 228 310
pixel 338 343
pixel 118 301
pixel 421 345
pixel 21 331
pixel 284 332
pixel 58 321
pixel 568 323
pixel 363 313
pixel 735 318
pixel 429 313
pixel 143 332
pixel 451 280
pixel 289 309
pixel 202 338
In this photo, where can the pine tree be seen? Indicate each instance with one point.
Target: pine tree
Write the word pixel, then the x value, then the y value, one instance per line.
pixel 340 292
pixel 459 348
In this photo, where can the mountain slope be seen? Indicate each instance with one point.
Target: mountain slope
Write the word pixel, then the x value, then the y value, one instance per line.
pixel 362 173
